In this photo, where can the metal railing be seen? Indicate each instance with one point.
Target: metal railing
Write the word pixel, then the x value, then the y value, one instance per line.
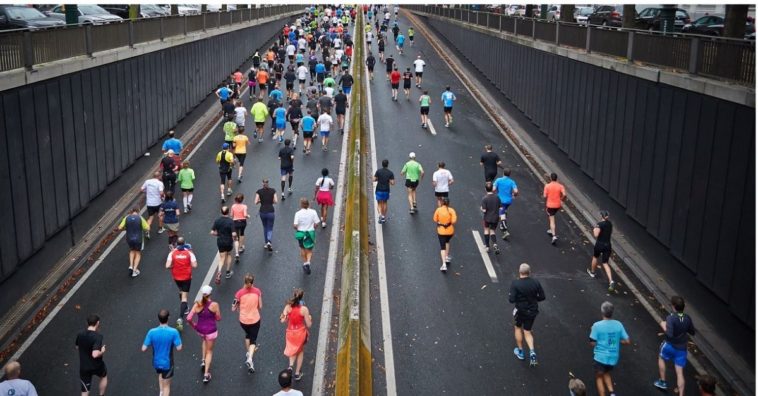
pixel 27 48
pixel 713 57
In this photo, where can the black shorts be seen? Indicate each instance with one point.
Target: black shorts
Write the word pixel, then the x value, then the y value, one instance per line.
pixel 488 225
pixel 371 68
pixel 260 124
pixel 448 110
pixel 224 247
pixel 320 77
pixel 241 158
pixel 225 176
pixel 410 38
pixel 134 245
pixel 184 285
pixel 85 377
pixel 552 211
pixel 601 368
pixel 395 85
pixel 340 111
pixel 603 251
pixel 524 321
pixel 239 227
pixel 307 134
pixel 411 184
pixel 290 85
pixel 301 81
pixel 440 194
pixel 490 176
pixel 444 240
pixel 419 74
pixel 151 210
pixel 251 331
pixel 406 84
pixel 189 190
pixel 165 373
pixel 295 125
pixel 425 110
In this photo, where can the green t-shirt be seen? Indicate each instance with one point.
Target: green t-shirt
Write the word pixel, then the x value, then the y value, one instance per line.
pixel 412 170
pixel 230 130
pixel 186 178
pixel 329 82
pixel 425 100
pixel 259 112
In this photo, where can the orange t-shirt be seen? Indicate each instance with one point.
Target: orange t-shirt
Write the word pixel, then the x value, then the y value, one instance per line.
pixel 262 77
pixel 238 77
pixel 553 193
pixel 445 215
pixel 270 55
pixel 249 299
pixel 239 212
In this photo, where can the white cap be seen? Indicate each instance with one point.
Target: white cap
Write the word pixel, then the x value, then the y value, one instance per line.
pixel 412 155
pixel 206 290
pixel 170 151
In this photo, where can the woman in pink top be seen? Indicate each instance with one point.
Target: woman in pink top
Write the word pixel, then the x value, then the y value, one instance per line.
pixel 208 313
pixel 248 300
pixel 239 216
pixel 298 320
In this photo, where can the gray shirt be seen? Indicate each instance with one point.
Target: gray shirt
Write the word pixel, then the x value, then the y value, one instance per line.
pixel 17 387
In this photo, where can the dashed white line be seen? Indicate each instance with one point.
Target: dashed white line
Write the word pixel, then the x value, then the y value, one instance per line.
pixel 485 256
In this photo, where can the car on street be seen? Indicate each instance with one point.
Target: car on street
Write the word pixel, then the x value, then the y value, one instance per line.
pixel 607 15
pixel 581 14
pixel 650 19
pixel 713 25
pixel 89 14
pixel 22 17
pixel 516 10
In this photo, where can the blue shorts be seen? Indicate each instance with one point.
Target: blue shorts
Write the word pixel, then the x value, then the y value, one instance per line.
pixel 668 352
pixel 382 196
pixel 324 133
pixel 281 125
pixel 347 90
pixel 504 208
pixel 286 171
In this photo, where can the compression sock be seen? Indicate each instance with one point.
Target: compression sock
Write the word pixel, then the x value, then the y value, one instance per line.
pixel 184 201
pixel 182 308
pixel 487 240
pixel 493 238
pixel 283 184
pixel 290 182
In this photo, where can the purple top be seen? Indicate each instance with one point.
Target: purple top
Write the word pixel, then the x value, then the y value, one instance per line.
pixel 206 321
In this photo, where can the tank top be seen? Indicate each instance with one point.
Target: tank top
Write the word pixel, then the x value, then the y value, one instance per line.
pixel 206 320
pixel 239 212
pixel 296 319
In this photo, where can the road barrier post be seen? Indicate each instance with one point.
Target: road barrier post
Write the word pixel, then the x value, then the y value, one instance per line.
pixel 587 44
pixel 694 54
pixel 88 40
pixel 630 47
pixel 557 32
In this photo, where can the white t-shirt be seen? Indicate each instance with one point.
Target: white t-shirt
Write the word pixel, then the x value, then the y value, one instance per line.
pixel 329 91
pixel 302 43
pixel 327 184
pixel 19 387
pixel 328 12
pixel 290 392
pixel 153 189
pixel 325 122
pixel 369 36
pixel 306 219
pixel 338 54
pixel 419 65
pixel 337 43
pixel 442 177
pixel 302 72
pixel 387 15
pixel 291 50
pixel 239 115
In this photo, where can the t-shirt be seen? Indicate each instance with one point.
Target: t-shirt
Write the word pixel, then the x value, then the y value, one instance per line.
pixel 320 68
pixel 325 102
pixel 340 101
pixel 248 299
pixel 400 39
pixel 389 62
pixel 259 112
pixel 606 229
pixel 306 219
pixel 448 98
pixel 491 207
pixel 173 144
pixel 280 114
pixel 383 177
pixel 88 341
pixel 170 208
pixel 302 72
pixel 678 325
pixel 238 77
pixel 489 160
pixel 607 335
pixel 163 339
pixel 153 189
pixel 291 392
pixel 262 77
pixel 224 159
pixel 291 50
pixel 328 91
pixel 134 226
pixel 424 100
pixel 325 122
pixel 445 216
pixel 329 82
pixel 186 178
pixel 553 192
pixel 240 143
pixel 526 293
pixel 230 129
pixel 442 178
pixel 224 93
pixel 412 170
pixel 266 196
pixel 347 80
pixel 308 123
pixel 395 77
pixel 239 211
pixel 324 183
pixel 504 187
pixel 239 115
pixel 223 227
pixel 407 77
pixel 276 95
pixel 167 164
pixel 286 155
pixel 22 387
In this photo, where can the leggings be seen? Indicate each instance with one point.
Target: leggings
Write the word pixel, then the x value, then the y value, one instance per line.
pixel 268 225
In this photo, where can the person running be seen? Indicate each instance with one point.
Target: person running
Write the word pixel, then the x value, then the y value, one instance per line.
pixel 602 231
pixel 407 79
pixel 208 313
pixel 163 339
pixel 249 301
pixel 490 161
pixel 525 293
pixel 256 59
pixel 181 261
pixel 448 99
pixel 239 217
pixel 170 213
pixel 425 101
pixel 329 84
pixel 91 349
pixel 186 181
pixel 411 33
pixel 286 166
pixel 298 319
pixel 413 172
pixel 308 124
pixel 230 129
pixel 606 337
pixel 390 63
pixel 172 143
pixel 136 228
pixel 346 82
pixel 418 66
pixel 395 30
pixel 370 63
pixel 399 43
pixel 325 122
pixel 305 223
pixel 490 207
pixel 251 83
pixel 153 189
pixel 380 47
pixel 260 113
pixel 13 384
pixel 320 70
pixel 340 108
pixel 445 218
pixel 223 230
pixel 285 382
pixel 225 160
pixel 223 94
pixel 280 117
pixel 294 116
pixel 322 194
pixel 369 35
pixel 675 328
pixel 442 179
pixel 240 143
pixel 302 73
pixel 262 77
pixel 553 193
pixel 395 77
pixel 506 190
pixel 384 178
pixel 266 198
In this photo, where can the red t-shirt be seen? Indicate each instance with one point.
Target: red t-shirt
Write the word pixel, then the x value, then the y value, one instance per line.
pixel 181 260
pixel 395 77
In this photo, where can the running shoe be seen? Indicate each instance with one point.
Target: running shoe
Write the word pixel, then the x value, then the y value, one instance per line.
pixel 242 249
pixel 284 198
pixel 506 234
pixel 161 230
pixel 448 260
pixel 661 384
pixel 590 273
pixel 218 278
pixel 179 324
pixel 229 193
pixel 147 235
pixel 223 200
pixel 550 232
pixel 298 376
pixel 554 240
pixel 487 249
pixel 497 249
pixel 289 191
pixel 269 247
pixel 323 224
pixel 323 148
pixel 236 260
pixel 239 180
pixel 135 273
pixel 443 269
pixel 307 268
pixel 207 378
pixel 612 287
pixel 202 365
pixel 532 359
pixel 229 274
pixel 131 271
pixel 447 125
pixel 186 210
pixel 519 353
pixel 414 205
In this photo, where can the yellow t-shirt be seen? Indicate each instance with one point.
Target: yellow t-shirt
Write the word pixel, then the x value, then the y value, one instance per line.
pixel 240 144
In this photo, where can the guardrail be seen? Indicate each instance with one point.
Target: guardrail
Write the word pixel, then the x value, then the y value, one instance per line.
pixel 713 57
pixel 27 48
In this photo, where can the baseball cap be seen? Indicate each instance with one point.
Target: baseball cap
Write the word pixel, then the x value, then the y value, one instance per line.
pixel 412 155
pixel 206 290
pixel 170 151
pixel 225 146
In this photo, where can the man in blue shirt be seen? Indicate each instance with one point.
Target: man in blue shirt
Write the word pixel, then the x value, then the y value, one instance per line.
pixel 308 123
pixel 280 115
pixel 320 72
pixel 223 94
pixel 506 189
pixel 606 337
pixel 276 94
pixel 448 98
pixel 400 40
pixel 163 339
pixel 172 143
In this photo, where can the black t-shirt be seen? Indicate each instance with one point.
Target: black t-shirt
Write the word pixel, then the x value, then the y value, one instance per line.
pixel 407 77
pixel 526 293
pixel 88 341
pixel 290 77
pixel 285 156
pixel 490 160
pixel 383 177
pixel 347 80
pixel 606 229
pixel 389 61
pixel 370 61
pixel 327 65
pixel 381 45
pixel 296 103
pixel 267 199
pixel 228 107
pixel 223 227
pixel 294 114
pixel 312 64
pixel 491 206
pixel 325 102
pixel 168 165
pixel 340 101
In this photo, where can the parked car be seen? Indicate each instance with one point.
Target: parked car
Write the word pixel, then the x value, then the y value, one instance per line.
pixel 229 7
pixel 713 25
pixel 145 10
pixel 650 19
pixel 516 10
pixel 121 10
pixel 22 17
pixel 554 13
pixel 152 11
pixel 581 14
pixel 89 14
pixel 607 15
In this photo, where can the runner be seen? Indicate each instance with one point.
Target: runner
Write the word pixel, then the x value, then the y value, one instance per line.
pixel 340 108
pixel 240 143
pixel 170 213
pixel 136 228
pixel 506 189
pixel 260 113
pixel 237 76
pixel 490 161
pixel 262 76
pixel 91 350
pixel 399 43
pixel 298 319
pixel 442 179
pixel 230 129
pixel 418 68
pixel 606 337
pixel 490 207
pixel 251 83
pixel 223 94
pixel 280 117
pixel 266 198
pixel 445 218
pixel 294 115
pixel 208 313
pixel 249 301
pixel 181 261
pixel 325 122
pixel 172 143
pixel 256 59
pixel 675 328
pixel 305 223
pixel 380 46
pixel 289 80
pixel 407 78
pixel 225 161
pixel 369 35
pixel 424 101
pixel 448 99
pixel 223 229
pixel 320 70
pixel 411 33
pixel 384 178
pixel 286 166
pixel 390 63
pixel 346 82
pixel 602 231
pixel 329 84
pixel 322 194
pixel 413 172
pixel 13 384
pixel 186 180
pixel 395 30
pixel 525 293
pixel 239 217
pixel 169 167
pixel 394 81
pixel 370 63
pixel 163 339
pixel 553 193
pixel 302 73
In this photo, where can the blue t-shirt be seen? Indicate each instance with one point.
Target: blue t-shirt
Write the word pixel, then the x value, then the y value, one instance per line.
pixel 224 93
pixel 400 39
pixel 173 144
pixel 339 12
pixel 280 115
pixel 292 36
pixel 448 98
pixel 276 94
pixel 169 212
pixel 505 186
pixel 320 68
pixel 308 123
pixel 163 339
pixel 299 58
pixel 607 335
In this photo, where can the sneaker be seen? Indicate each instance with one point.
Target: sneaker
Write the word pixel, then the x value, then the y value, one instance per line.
pixel 554 240
pixel 207 378
pixel 590 273
pixel 229 274
pixel 289 191
pixel 448 260
pixel 661 384
pixel 147 235
pixel 239 180
pixel 161 230
pixel 550 232
pixel 414 205
pixel 447 125
pixel 131 271
pixel 202 365
pixel 218 278
pixel 502 226
pixel 223 200
pixel 532 359
pixel 298 376
pixel 412 211
pixel 284 198
pixel 323 148
pixel 255 135
pixel 289 369
pixel 229 193
pixel 236 260
pixel 186 210
pixel 443 268
pixel 269 247
pixel 307 268
pixel 612 287
pixel 179 324
pixel 506 234
pixel 250 365
pixel 260 140
pixel 497 249
pixel 323 224
pixel 519 353
pixel 189 206
pixel 135 273
pixel 242 249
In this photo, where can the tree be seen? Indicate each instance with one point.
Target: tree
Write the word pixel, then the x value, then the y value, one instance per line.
pixel 567 13
pixel 734 25
pixel 629 18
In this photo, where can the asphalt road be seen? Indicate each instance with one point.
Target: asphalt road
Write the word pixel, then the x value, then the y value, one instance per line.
pixel 452 333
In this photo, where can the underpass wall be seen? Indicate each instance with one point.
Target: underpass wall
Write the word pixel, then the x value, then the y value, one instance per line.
pixel 681 163
pixel 65 139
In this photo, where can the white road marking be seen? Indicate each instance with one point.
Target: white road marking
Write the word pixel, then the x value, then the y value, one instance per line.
pixel 485 256
pixel 431 127
pixel 209 275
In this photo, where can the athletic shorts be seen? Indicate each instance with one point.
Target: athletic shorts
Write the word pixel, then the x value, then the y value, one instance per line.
pixel 441 194
pixel 411 184
pixel 188 190
pixel 151 210
pixel 295 125
pixel 490 176
pixel 601 368
pixel 324 134
pixel 444 240
pixel 448 110
pixel 85 377
pixel 406 84
pixel 165 373
pixel 347 90
pixel 135 246
pixel 425 110
pixel 382 196
pixel 395 85
pixel 281 125
pixel 307 134
pixel 173 227
pixel 419 74
pixel 251 331
pixel 225 176
pixel 260 124
pixel 320 77
pixel 523 320
pixel 603 251
pixel 410 38
pixel 504 208
pixel 286 171
pixel 340 111
pixel 371 68
pixel 241 158
pixel 209 337
pixel 223 247
pixel 183 285
pixel 290 85
pixel 239 227
pixel 552 211
pixel 301 81
pixel 488 225
pixel 668 352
